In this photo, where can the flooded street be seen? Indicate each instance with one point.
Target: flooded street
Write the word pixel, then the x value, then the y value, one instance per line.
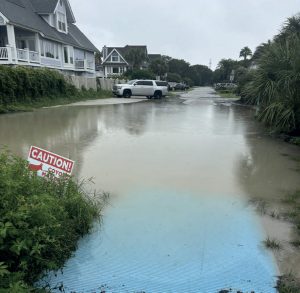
pixel 184 178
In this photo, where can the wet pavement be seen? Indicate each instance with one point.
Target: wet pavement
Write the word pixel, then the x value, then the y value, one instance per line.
pixel 182 175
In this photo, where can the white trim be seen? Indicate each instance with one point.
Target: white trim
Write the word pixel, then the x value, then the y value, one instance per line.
pixel 119 55
pixel 5 19
pixel 65 22
pixel 70 9
pixel 55 9
pixel 56 12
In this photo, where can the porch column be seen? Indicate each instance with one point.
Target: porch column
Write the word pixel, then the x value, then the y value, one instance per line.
pixel 38 45
pixel 11 38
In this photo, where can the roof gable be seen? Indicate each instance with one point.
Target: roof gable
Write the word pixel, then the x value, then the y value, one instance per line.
pixel 123 51
pixel 49 6
pixel 110 52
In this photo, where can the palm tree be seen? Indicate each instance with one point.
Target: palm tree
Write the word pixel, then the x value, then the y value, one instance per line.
pixel 245 52
pixel 290 28
pixel 275 86
pixel 224 69
pixel 259 51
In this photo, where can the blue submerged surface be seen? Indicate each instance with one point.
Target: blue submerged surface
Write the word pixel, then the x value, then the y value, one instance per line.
pixel 164 241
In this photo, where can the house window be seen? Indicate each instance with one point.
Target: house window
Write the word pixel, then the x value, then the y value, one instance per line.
pixel 68 54
pixel 115 70
pixel 61 21
pixel 115 57
pixel 49 49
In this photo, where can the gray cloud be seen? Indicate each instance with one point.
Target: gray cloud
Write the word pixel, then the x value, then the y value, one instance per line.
pixel 194 30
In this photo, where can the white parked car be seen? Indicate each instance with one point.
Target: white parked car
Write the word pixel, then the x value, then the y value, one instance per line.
pixel 149 88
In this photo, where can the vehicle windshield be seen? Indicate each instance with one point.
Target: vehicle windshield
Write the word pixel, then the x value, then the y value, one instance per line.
pixel 131 81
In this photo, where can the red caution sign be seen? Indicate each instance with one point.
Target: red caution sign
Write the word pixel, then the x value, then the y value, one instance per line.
pixel 44 162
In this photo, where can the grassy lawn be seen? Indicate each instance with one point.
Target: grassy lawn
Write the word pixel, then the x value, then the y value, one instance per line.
pixel 82 95
pixel 227 94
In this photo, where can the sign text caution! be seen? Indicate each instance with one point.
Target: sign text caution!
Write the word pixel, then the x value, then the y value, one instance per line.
pixel 44 162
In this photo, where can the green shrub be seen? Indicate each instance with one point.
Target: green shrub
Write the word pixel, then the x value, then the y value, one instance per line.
pixel 26 85
pixel 23 88
pixel 275 85
pixel 41 220
pixel 139 74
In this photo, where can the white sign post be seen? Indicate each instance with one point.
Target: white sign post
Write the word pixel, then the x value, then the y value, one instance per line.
pixel 44 162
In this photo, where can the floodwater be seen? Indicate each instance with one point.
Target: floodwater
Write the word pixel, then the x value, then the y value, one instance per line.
pixel 184 176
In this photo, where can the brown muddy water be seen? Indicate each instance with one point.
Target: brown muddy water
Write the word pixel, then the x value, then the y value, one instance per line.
pixel 185 176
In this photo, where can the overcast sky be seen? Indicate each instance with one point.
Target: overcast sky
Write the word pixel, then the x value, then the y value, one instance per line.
pixel 193 30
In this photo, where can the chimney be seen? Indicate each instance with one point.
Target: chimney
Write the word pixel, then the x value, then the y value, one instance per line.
pixel 104 52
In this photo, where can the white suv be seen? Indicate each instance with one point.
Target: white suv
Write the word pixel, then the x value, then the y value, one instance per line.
pixel 148 88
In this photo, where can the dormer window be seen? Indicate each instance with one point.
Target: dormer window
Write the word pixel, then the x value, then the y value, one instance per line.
pixel 115 57
pixel 61 22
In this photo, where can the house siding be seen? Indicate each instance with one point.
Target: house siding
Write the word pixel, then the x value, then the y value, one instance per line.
pixel 36 40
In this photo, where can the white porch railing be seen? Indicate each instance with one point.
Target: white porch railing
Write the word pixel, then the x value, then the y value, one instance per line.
pixel 28 56
pixel 79 64
pixel 34 56
pixel 23 55
pixel 84 64
pixel 12 55
pixel 3 53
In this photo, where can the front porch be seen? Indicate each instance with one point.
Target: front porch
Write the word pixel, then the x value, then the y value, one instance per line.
pixel 10 55
pixel 18 46
pixel 23 47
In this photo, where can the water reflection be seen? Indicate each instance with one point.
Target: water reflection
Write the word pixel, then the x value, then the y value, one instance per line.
pixel 69 130
pixel 179 155
pixel 267 172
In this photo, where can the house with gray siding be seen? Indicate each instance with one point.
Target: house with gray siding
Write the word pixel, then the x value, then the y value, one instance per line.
pixel 42 33
pixel 115 59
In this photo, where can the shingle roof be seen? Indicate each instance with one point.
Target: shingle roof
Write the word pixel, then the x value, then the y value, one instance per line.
pixel 24 15
pixel 154 57
pixel 48 6
pixel 42 6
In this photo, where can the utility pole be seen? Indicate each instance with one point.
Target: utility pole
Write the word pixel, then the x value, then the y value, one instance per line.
pixel 210 64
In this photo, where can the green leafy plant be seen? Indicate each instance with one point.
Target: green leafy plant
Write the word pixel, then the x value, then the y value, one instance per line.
pixel 41 220
pixel 22 89
pixel 275 85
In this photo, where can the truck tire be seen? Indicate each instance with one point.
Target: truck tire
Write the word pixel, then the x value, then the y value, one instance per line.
pixel 127 94
pixel 157 95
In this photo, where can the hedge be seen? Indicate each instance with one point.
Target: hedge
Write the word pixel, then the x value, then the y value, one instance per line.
pixel 23 85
